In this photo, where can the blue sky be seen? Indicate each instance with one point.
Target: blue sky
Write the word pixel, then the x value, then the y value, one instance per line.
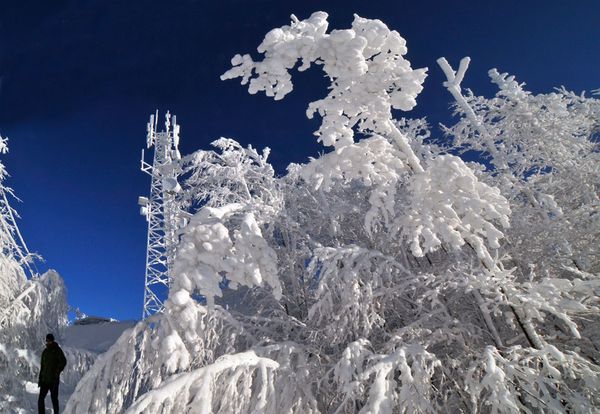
pixel 79 78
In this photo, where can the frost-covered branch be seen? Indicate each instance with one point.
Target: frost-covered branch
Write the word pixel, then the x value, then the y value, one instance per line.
pixel 453 85
pixel 382 276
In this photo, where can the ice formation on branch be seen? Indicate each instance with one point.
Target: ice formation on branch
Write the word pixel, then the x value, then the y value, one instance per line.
pixel 375 163
pixel 365 64
pixel 449 205
pixel 332 311
pixel 369 77
pixel 196 389
pixel 208 253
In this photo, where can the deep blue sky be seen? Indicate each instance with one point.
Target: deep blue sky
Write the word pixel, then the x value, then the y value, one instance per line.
pixel 79 78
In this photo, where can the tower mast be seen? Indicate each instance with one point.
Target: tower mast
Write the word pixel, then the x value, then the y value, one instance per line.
pixel 161 211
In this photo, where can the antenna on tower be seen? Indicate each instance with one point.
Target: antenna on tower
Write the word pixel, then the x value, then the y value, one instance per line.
pixel 162 212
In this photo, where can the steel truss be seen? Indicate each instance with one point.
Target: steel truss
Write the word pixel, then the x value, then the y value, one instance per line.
pixel 161 211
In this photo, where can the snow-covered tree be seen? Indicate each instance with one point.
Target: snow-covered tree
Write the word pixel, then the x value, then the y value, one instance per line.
pixel 29 308
pixel 387 275
pixel 540 151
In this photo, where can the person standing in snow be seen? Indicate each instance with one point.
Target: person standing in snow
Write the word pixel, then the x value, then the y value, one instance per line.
pixel 53 363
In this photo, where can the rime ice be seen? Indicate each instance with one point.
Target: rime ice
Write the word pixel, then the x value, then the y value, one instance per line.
pixel 387 275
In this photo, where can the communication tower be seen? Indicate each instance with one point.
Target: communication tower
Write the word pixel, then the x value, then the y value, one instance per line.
pixel 161 211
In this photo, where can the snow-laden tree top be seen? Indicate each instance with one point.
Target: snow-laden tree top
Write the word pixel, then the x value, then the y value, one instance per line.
pixel 388 275
pixel 369 75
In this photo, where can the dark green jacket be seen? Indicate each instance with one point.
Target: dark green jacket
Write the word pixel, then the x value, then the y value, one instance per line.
pixel 53 362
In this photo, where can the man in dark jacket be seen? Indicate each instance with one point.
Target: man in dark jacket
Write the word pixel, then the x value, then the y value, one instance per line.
pixel 53 362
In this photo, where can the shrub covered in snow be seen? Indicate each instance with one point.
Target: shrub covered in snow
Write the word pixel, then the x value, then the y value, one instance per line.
pixel 387 275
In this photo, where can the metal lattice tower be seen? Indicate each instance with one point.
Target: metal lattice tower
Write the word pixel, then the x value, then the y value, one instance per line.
pixel 161 211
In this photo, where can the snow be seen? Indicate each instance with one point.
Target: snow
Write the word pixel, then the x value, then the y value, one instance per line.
pixel 209 250
pixel 193 392
pixel 450 205
pixel 32 388
pixel 386 275
pixel 94 335
pixel 365 63
pixel 40 306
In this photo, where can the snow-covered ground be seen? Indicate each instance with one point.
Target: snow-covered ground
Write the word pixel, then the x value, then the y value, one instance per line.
pixel 94 334
pixel 82 342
